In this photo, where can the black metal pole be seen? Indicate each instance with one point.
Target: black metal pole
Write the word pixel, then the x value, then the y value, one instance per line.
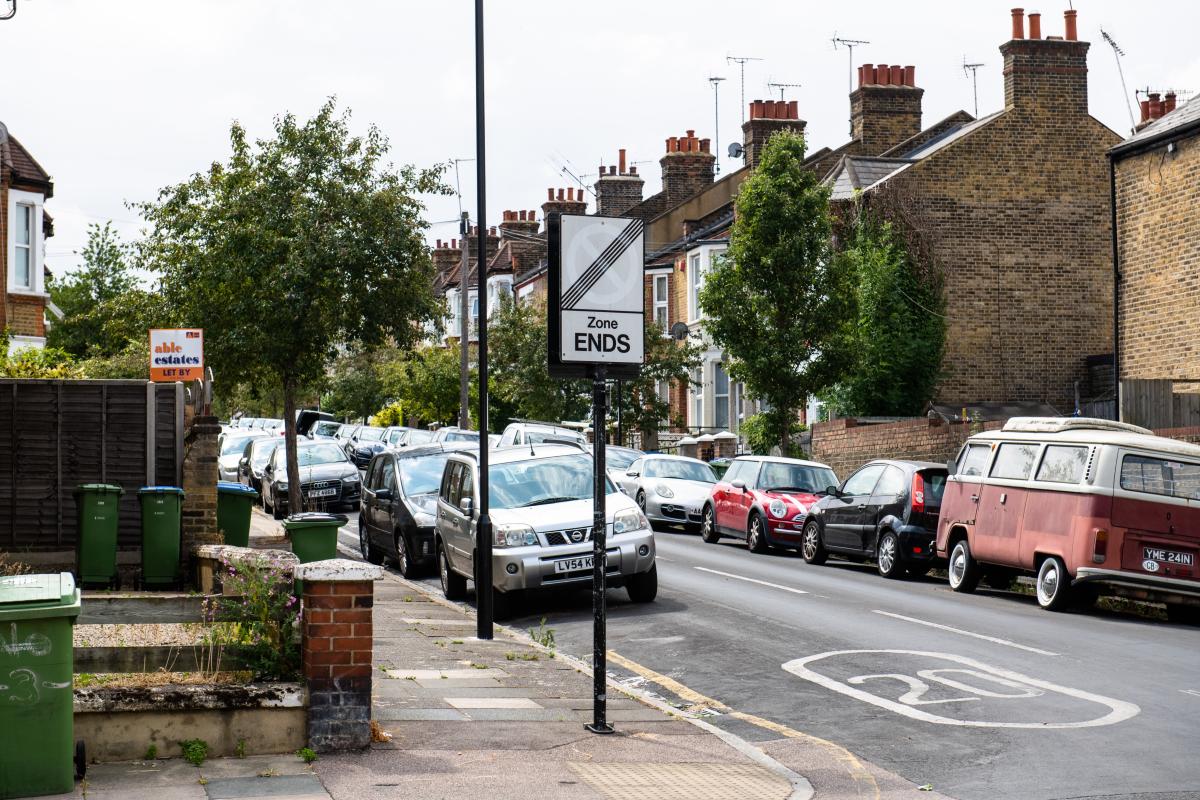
pixel 620 430
pixel 599 562
pixel 483 542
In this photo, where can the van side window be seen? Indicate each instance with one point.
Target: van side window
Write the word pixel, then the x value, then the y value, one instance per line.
pixel 1063 464
pixel 1161 476
pixel 468 486
pixel 1014 460
pixel 973 460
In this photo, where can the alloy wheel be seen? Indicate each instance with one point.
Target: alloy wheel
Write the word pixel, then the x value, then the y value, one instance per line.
pixel 958 565
pixel 809 545
pixel 364 547
pixel 887 554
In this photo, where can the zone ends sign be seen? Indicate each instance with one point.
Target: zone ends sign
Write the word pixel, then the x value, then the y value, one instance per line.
pixel 176 354
pixel 596 295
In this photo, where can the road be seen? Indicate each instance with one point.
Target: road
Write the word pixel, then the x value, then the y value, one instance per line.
pixel 984 697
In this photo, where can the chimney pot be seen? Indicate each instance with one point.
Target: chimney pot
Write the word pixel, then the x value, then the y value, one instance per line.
pixel 691 134
pixel 769 109
pixel 621 159
pixel 550 195
pixel 633 170
pixel 1035 25
pixel 897 77
pixel 560 195
pixel 1145 106
pixel 672 145
pixel 1072 24
pixel 492 231
pixel 868 74
pixel 793 109
pixel 571 193
pixel 454 244
pixel 883 74
pixel 1169 103
pixel 532 216
pixel 439 244
pixel 910 76
pixel 521 216
pixel 704 145
pixel 1018 23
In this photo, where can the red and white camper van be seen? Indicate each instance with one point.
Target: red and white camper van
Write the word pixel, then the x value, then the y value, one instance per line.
pixel 1089 506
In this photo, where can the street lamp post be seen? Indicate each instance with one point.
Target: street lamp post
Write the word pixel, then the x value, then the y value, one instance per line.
pixel 483 532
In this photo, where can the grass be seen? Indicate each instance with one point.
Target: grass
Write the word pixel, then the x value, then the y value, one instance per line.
pixel 543 635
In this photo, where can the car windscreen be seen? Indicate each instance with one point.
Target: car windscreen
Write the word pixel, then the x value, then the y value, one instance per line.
pixel 541 481
pixel 422 475
pixel 684 470
pixel 261 451
pixel 461 436
pixel 234 444
pixel 319 454
pixel 370 434
pixel 326 428
pixel 538 437
pixel 620 459
pixel 797 477
pixel 396 435
pixel 418 437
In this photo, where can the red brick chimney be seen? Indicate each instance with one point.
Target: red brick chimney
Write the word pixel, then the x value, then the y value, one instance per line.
pixel 522 223
pixel 618 189
pixel 565 201
pixel 885 109
pixel 1045 75
pixel 687 167
pixel 768 117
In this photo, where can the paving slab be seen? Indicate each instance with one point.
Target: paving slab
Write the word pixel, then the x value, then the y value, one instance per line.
pixel 284 787
pixel 491 702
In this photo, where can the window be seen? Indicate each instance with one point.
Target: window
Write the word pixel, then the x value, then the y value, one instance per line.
pixel 1161 476
pixel 467 491
pixel 862 482
pixel 698 399
pixel 781 475
pixel 1014 461
pixel 973 460
pixel 720 397
pixel 683 469
pixel 664 392
pixel 386 475
pixel 24 233
pixel 695 283
pixel 660 302
pixel 734 471
pixel 451 484
pixel 1063 464
pixel 891 484
pixel 636 467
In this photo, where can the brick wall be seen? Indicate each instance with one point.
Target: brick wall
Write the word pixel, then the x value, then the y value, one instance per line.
pixel 1158 241
pixel 766 119
pixel 618 189
pixel 687 167
pixel 198 515
pixel 882 116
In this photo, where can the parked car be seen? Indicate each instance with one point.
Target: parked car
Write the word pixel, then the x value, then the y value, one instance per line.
pixel 364 443
pixel 452 433
pixel 230 447
pixel 670 490
pixel 273 426
pixel 399 505
pixel 324 429
pixel 246 423
pixel 886 511
pixel 1087 506
pixel 254 461
pixel 393 435
pixel 327 478
pixel 531 431
pixel 764 500
pixel 345 432
pixel 541 510
pixel 415 437
pixel 307 419
pixel 618 460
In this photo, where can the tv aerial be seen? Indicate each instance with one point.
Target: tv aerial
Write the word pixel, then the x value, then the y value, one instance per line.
pixel 972 69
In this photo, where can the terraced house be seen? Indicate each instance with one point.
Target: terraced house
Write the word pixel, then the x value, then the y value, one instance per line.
pixel 24 226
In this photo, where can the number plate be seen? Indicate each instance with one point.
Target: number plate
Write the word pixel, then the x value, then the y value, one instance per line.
pixel 573 564
pixel 322 493
pixel 1167 556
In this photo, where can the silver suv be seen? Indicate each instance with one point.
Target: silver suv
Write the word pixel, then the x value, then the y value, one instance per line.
pixel 541 511
pixel 531 432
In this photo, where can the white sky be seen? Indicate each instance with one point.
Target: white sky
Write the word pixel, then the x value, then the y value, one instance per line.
pixel 117 99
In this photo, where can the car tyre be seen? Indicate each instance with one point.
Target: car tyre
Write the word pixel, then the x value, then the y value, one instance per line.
pixel 643 587
pixel 1179 614
pixel 366 547
pixel 641 500
pixel 404 560
pixel 1053 585
pixel 276 511
pixel 812 546
pixel 454 586
pixel 708 528
pixel 963 569
pixel 887 556
pixel 756 535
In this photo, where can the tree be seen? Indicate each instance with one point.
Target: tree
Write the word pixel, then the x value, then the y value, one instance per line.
pixel 428 383
pixel 295 245
pixel 357 386
pixel 777 303
pixel 666 361
pixel 91 296
pixel 899 328
pixel 518 370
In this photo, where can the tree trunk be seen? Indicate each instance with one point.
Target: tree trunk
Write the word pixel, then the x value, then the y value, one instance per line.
pixel 289 426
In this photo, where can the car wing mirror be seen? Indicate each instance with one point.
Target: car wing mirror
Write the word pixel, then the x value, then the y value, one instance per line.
pixel 633 474
pixel 833 491
pixel 467 505
pixel 384 494
pixel 244 462
pixel 740 485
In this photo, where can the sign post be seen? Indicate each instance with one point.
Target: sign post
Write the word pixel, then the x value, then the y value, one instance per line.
pixel 176 354
pixel 596 330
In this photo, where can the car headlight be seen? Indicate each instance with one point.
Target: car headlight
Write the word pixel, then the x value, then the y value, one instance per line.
pixel 630 520
pixel 350 479
pixel 424 520
pixel 662 490
pixel 777 508
pixel 513 535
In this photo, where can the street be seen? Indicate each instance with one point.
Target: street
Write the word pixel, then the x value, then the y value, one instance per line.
pixel 982 696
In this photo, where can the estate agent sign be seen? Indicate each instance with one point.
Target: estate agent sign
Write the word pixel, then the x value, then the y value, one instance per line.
pixel 176 354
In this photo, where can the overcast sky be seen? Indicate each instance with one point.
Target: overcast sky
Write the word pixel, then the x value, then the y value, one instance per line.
pixel 117 99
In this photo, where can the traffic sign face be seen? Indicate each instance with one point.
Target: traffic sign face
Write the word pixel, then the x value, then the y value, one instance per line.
pixel 597 297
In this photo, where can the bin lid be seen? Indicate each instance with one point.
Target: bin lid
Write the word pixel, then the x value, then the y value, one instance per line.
pixel 99 488
pixel 313 518
pixel 55 588
pixel 232 487
pixel 160 490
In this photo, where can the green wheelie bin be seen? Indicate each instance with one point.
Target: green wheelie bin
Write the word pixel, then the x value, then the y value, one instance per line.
pixel 314 534
pixel 38 754
pixel 99 507
pixel 234 502
pixel 161 507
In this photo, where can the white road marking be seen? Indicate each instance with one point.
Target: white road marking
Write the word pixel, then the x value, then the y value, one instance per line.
pixel 751 580
pixel 660 558
pixel 1118 710
pixel 1192 692
pixel 993 639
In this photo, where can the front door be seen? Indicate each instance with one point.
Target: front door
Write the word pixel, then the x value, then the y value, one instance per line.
pixel 381 511
pixel 1002 503
pixel 846 514
pixel 960 500
pixel 741 501
pixel 887 498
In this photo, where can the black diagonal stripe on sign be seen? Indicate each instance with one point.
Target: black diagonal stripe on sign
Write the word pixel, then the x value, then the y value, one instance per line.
pixel 575 294
pixel 606 259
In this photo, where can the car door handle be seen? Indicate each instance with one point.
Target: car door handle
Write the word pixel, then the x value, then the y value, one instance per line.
pixel 974 498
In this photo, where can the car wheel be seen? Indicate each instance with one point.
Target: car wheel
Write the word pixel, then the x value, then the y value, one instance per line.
pixel 1183 615
pixel 454 586
pixel 756 536
pixel 963 568
pixel 365 546
pixel 812 548
pixel 708 528
pixel 1053 584
pixel 276 511
pixel 643 587
pixel 887 556
pixel 641 500
pixel 404 560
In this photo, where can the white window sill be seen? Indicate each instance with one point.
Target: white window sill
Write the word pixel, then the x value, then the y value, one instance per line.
pixel 29 293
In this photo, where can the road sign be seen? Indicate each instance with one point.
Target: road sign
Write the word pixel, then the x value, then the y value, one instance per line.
pixel 596 293
pixel 176 354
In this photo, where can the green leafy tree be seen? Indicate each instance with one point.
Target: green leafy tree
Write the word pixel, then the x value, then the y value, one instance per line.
pixel 427 383
pixel 89 296
pixel 666 360
pixel 899 329
pixel 36 362
pixel 777 303
pixel 518 370
pixel 357 383
pixel 295 245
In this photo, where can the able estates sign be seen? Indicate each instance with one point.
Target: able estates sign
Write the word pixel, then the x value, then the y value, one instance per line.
pixel 176 354
pixel 596 295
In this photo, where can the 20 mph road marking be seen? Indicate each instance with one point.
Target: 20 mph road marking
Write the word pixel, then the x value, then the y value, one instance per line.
pixel 751 580
pixel 993 639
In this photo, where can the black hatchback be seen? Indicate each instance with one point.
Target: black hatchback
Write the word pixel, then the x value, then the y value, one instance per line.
pixel 886 511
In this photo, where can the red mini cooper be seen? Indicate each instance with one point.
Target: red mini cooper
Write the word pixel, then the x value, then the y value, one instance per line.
pixel 765 501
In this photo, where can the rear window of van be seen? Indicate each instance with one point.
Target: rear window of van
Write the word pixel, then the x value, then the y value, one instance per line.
pixel 1161 476
pixel 1063 464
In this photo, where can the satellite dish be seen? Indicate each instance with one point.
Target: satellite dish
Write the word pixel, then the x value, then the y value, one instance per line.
pixel 735 150
pixel 679 331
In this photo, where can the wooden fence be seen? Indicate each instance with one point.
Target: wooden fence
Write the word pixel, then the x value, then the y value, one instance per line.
pixel 1157 404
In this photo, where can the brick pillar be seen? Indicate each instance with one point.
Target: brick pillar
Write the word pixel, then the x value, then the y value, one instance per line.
pixel 337 644
pixel 199 511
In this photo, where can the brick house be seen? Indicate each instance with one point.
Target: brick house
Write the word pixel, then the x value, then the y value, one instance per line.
pixel 1014 209
pixel 1156 191
pixel 24 227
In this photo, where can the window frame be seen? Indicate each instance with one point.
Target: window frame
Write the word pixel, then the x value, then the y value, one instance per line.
pixel 1037 473
pixel 18 198
pixel 890 469
pixel 661 303
pixel 858 472
pixel 1033 463
pixel 721 400
pixel 985 466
